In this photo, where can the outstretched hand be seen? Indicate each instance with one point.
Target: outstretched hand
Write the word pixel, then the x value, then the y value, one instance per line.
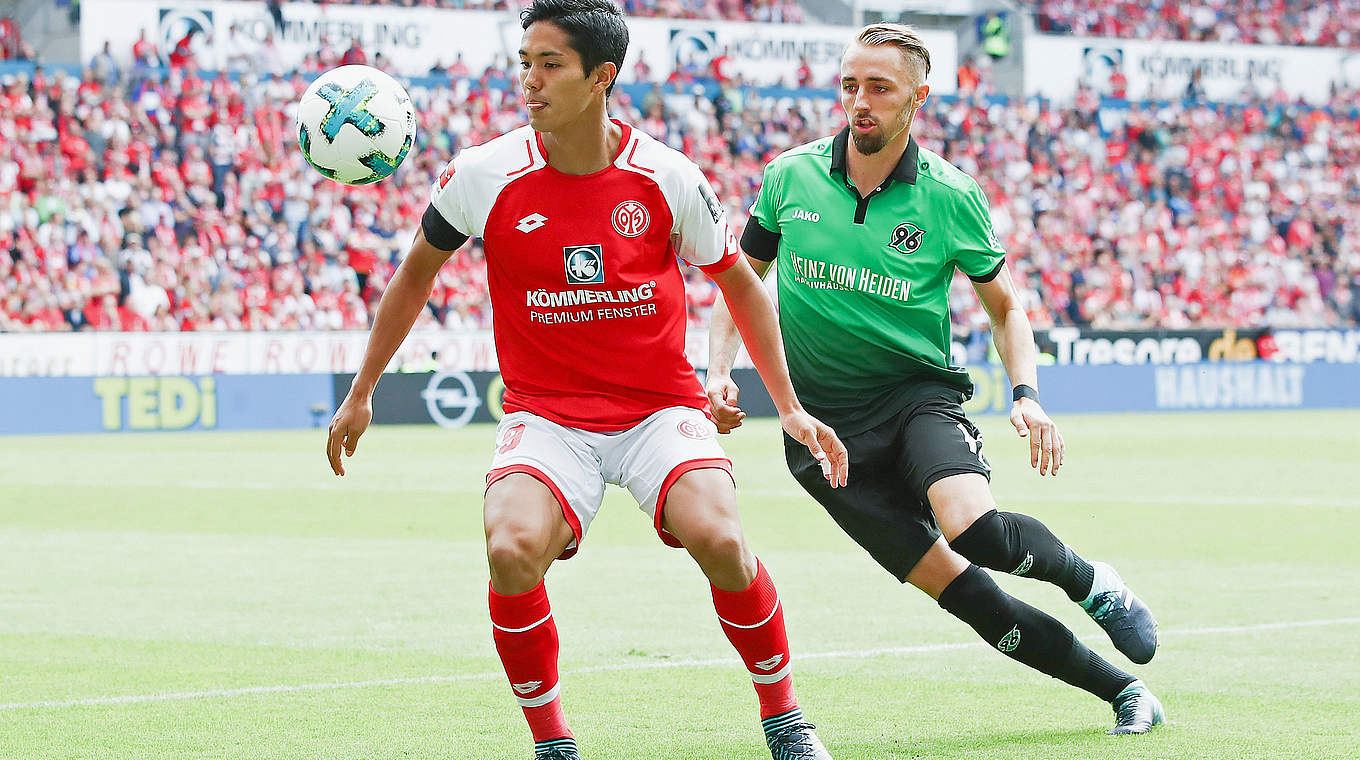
pixel 1046 446
pixel 822 441
pixel 350 422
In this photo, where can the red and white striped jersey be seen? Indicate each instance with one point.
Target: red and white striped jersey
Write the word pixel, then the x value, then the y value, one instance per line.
pixel 587 296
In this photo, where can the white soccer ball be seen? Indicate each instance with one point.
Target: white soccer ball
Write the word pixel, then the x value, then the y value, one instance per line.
pixel 355 124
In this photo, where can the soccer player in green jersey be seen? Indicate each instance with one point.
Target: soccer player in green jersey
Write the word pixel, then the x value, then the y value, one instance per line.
pixel 868 228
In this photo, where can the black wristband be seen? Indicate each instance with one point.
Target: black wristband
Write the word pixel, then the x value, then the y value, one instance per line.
pixel 1024 391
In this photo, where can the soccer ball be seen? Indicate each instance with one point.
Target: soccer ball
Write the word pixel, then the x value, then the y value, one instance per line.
pixel 355 124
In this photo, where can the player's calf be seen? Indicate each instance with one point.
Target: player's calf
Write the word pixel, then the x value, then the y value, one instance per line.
pixel 1029 636
pixel 1021 545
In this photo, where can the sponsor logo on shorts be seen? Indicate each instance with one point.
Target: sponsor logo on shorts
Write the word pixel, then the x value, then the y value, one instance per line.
pixel 694 429
pixel 510 438
pixel 1010 641
pixel 1024 566
pixel 630 218
pixel 528 687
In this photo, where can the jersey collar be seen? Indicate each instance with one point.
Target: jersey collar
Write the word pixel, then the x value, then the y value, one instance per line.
pixel 905 171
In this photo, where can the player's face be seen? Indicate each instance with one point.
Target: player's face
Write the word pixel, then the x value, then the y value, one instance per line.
pixel 880 96
pixel 555 87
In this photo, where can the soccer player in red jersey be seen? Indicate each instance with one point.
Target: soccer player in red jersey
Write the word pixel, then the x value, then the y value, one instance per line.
pixel 583 218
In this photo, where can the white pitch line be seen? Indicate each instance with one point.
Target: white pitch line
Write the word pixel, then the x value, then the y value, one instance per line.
pixel 631 666
pixel 1284 501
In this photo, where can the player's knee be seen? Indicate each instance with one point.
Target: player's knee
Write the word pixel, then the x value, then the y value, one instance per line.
pixel 514 553
pixel 719 542
pixel 988 543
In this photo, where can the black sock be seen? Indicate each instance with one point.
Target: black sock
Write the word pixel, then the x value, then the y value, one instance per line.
pixel 1029 636
pixel 1021 545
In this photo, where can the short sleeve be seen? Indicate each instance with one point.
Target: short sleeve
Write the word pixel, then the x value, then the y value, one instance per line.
pixel 766 208
pixel 701 224
pixel 976 249
pixel 447 198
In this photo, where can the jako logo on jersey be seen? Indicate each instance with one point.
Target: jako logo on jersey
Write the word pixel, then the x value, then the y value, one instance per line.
pixel 630 218
pixel 771 663
pixel 528 687
pixel 531 222
pixel 694 429
pixel 446 175
pixel 811 216
pixel 1010 641
pixel 585 264
pixel 907 238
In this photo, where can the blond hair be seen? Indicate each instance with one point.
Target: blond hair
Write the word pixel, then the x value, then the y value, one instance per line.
pixel 904 38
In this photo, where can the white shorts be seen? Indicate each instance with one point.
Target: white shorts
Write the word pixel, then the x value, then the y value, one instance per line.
pixel 575 464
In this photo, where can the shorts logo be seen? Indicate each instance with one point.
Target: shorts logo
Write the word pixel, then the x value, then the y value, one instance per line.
pixel 1025 565
pixel 528 687
pixel 694 429
pixel 585 264
pixel 630 219
pixel 510 439
pixel 1010 641
pixel 906 238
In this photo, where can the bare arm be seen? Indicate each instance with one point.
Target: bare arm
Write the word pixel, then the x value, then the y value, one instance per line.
pixel 723 343
pixel 1014 339
pixel 406 294
pixel 752 313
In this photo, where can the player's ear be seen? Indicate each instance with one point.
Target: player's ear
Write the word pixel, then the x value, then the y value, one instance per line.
pixel 604 76
pixel 922 93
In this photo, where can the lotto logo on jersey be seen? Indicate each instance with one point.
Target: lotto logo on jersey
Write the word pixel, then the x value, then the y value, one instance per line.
pixel 630 219
pixel 585 264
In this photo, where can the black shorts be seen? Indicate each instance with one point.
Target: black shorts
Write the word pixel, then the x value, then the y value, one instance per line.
pixel 884 506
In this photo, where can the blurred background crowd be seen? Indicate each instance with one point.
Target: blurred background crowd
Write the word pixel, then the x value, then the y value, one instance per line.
pixel 144 194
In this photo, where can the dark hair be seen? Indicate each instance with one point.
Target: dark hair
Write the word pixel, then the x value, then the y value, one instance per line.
pixel 595 29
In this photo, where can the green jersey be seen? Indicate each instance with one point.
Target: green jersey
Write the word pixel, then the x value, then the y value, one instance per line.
pixel 864 282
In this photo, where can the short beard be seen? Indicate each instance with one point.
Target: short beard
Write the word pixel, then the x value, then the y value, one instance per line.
pixel 870 144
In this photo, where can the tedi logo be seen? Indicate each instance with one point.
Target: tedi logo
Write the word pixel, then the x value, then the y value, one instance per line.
pixel 811 216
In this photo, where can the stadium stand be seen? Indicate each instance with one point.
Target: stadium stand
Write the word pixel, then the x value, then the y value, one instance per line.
pixel 1335 23
pixel 139 198
pixel 775 11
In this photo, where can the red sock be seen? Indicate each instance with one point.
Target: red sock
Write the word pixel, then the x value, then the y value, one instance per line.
pixel 754 622
pixel 526 639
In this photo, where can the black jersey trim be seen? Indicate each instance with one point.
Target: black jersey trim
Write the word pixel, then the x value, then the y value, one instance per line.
pixel 990 275
pixel 758 242
pixel 439 232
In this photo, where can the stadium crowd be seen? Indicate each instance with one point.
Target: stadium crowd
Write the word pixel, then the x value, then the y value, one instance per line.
pixel 731 10
pixel 1331 23
pixel 183 203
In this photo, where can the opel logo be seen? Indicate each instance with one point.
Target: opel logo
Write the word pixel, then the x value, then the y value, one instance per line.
pixel 451 399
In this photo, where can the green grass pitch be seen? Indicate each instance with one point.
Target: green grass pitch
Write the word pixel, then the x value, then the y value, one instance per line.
pixel 223 596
